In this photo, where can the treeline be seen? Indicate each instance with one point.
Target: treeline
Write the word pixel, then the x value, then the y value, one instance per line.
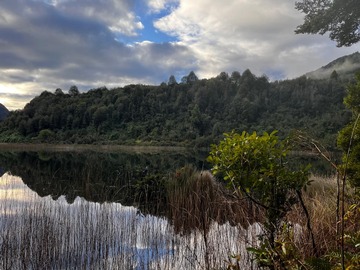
pixel 194 112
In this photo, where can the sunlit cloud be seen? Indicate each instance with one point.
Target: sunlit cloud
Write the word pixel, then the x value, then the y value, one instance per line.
pixel 14 193
pixel 155 6
pixel 52 44
pixel 259 35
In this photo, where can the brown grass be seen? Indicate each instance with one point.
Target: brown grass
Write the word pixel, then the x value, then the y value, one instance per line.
pixel 196 200
pixel 207 223
pixel 320 199
pixel 40 233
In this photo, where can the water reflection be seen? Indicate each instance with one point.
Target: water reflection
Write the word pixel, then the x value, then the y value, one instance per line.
pixel 42 233
pixel 129 178
pixel 94 176
pixel 80 210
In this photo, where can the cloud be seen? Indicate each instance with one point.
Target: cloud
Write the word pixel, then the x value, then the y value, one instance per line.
pixel 116 15
pixel 59 45
pixel 15 101
pixel 341 66
pixel 239 34
pixel 46 44
pixel 156 6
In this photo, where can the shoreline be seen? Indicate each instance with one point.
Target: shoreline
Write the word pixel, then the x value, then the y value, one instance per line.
pixel 18 147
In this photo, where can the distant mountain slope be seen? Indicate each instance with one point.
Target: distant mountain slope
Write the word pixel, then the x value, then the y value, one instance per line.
pixel 195 113
pixel 3 112
pixel 344 66
pixel 191 113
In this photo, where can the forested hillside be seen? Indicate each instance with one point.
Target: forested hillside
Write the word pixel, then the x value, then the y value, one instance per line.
pixel 3 112
pixel 193 112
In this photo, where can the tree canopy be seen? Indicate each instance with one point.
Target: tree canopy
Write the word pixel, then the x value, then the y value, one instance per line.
pixel 341 18
pixel 195 113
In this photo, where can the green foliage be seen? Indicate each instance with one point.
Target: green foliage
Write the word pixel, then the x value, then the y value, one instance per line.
pixel 349 136
pixel 352 99
pixel 149 190
pixel 193 113
pixel 351 240
pixel 339 17
pixel 45 135
pixel 11 137
pixel 73 91
pixel 256 167
pixel 284 255
pixel 349 142
pixel 233 262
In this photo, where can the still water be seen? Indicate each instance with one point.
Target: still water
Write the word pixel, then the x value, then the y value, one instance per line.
pixel 85 210
pixel 90 209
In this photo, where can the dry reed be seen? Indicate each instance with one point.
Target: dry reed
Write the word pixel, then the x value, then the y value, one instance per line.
pixel 196 200
pixel 40 233
pixel 320 200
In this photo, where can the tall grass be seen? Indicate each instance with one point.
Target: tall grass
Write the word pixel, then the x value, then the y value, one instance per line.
pixel 320 199
pixel 205 225
pixel 40 233
pixel 196 200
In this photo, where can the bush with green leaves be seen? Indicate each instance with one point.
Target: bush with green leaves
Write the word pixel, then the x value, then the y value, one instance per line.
pixel 256 167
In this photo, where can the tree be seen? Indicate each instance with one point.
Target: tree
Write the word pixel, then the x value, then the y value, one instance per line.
pixel 349 142
pixel 172 80
pixel 58 92
pixel 73 91
pixel 100 116
pixel 334 75
pixel 235 75
pixel 255 166
pixel 45 135
pixel 349 136
pixel 191 78
pixel 339 17
pixel 223 76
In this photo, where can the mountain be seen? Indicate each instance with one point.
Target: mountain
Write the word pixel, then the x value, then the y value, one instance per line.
pixel 344 66
pixel 191 113
pixel 3 112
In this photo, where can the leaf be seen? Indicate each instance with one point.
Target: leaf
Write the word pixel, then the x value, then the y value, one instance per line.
pixel 237 257
pixel 254 250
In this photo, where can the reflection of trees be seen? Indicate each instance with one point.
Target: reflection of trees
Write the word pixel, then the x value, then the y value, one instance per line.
pixel 150 182
pixel 98 177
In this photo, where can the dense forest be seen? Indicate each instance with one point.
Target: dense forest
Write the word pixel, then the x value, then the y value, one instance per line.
pixel 193 112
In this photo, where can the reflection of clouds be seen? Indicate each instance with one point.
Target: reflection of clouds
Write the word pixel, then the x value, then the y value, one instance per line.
pixel 88 235
pixel 12 188
pixel 15 196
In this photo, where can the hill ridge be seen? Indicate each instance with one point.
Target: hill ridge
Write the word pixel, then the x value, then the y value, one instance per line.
pixel 3 112
pixel 345 66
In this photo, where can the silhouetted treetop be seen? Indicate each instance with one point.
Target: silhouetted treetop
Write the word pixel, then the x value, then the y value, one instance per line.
pixel 341 18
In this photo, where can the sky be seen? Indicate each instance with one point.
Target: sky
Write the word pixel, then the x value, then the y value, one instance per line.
pixel 50 44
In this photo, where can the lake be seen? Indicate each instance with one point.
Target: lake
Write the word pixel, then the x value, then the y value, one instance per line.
pixel 103 207
pixel 79 208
